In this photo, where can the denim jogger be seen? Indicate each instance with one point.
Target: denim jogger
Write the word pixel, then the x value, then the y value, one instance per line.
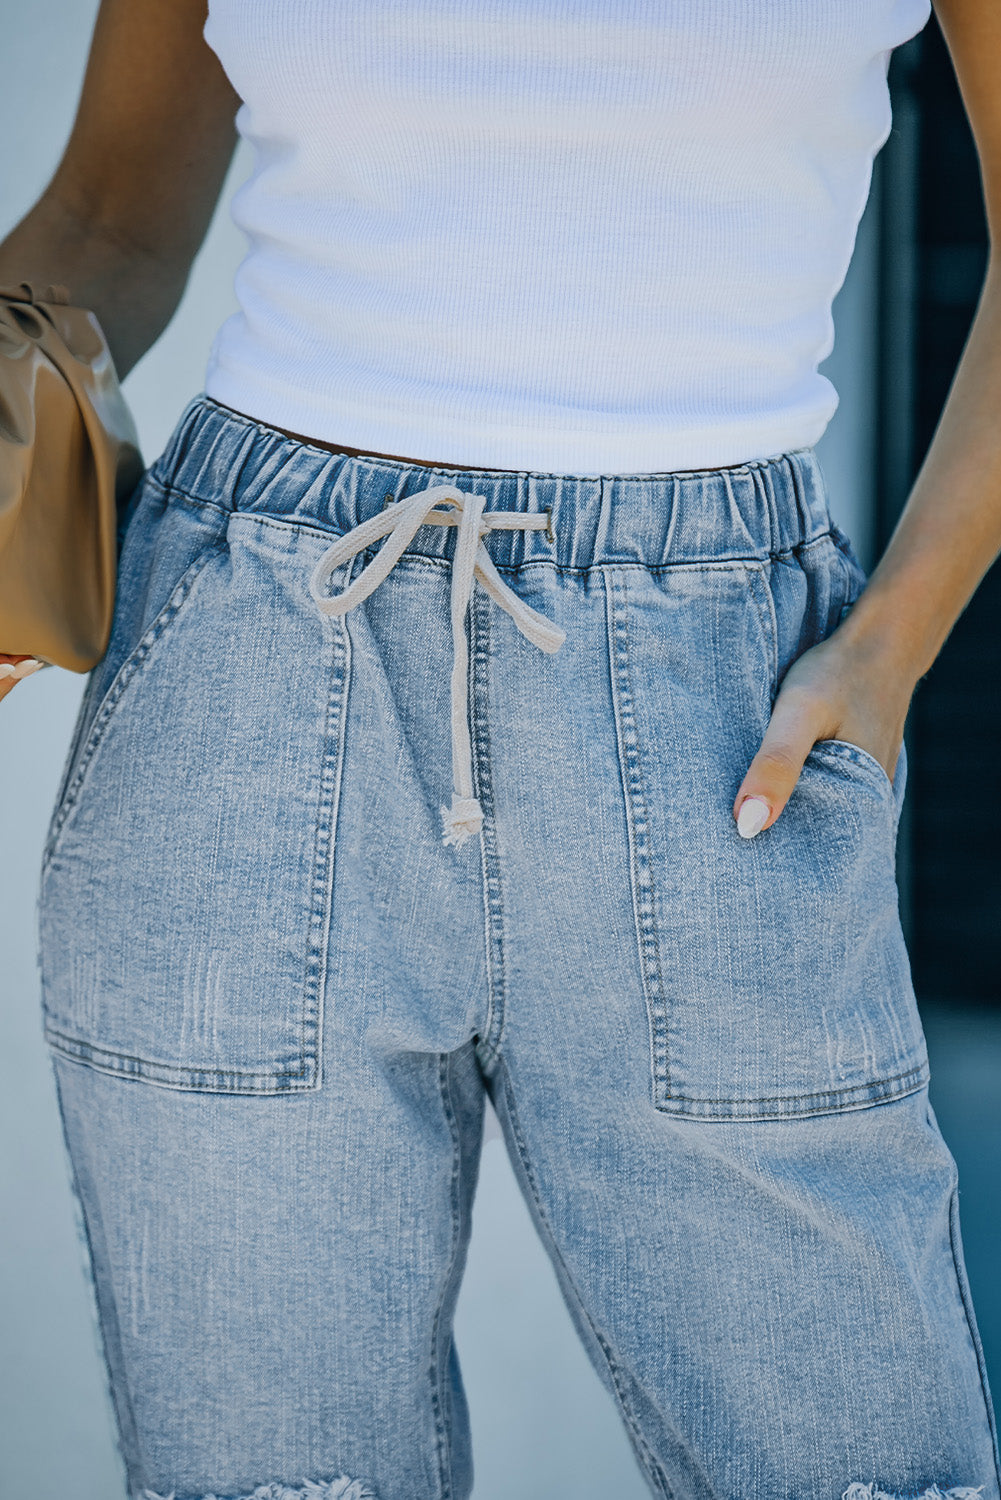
pixel 276 997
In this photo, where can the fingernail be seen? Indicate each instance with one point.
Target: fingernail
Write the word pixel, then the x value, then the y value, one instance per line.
pixel 26 667
pixel 752 817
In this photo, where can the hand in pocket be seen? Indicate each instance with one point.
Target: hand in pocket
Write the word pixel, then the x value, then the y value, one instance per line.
pixel 834 690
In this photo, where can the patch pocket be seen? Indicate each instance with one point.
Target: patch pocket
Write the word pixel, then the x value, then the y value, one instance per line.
pixel 775 970
pixel 184 898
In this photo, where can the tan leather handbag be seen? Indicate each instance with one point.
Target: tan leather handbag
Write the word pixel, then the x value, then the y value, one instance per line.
pixel 69 458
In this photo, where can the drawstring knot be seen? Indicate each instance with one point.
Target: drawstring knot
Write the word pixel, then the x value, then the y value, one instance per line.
pixel 399 523
pixel 462 820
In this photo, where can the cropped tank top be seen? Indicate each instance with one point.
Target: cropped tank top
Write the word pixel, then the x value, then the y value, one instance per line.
pixel 570 236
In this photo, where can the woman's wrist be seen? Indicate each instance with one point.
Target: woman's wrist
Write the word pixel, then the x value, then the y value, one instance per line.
pixel 888 626
pixel 949 532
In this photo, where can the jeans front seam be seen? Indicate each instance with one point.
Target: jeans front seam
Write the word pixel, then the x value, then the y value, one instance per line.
pixel 324 853
pixel 638 826
pixel 644 1453
pixel 493 905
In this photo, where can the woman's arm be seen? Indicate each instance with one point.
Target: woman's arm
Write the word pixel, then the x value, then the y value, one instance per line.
pixel 857 685
pixel 131 200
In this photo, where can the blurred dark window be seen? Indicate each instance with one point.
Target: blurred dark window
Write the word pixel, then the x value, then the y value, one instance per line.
pixel 933 237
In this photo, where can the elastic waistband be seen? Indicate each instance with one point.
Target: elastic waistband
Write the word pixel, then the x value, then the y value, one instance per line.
pixel 762 508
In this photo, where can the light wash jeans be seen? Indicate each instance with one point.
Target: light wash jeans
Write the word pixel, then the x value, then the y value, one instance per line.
pixel 296 920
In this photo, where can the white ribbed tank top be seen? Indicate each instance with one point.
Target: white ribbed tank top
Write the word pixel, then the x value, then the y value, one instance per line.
pixel 576 236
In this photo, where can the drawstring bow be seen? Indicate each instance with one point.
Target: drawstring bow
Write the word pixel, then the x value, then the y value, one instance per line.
pixel 442 505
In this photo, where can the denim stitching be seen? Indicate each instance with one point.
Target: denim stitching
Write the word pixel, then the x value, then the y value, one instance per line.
pixel 817 1094
pixel 193 502
pixel 863 1094
pixel 493 905
pixel 124 676
pixel 146 1068
pixel 82 729
pixel 825 538
pixel 642 1449
pixel 858 757
pixel 324 853
pixel 638 825
pixel 277 523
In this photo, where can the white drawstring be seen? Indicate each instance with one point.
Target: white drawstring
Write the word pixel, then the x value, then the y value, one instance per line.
pixel 401 520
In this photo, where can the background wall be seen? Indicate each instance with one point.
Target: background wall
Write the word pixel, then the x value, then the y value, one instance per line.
pixel 543 1426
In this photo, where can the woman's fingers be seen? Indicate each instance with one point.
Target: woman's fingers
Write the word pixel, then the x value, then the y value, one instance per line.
pixel 773 773
pixel 13 668
pixel 832 690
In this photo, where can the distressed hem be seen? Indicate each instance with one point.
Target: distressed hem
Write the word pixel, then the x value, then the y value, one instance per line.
pixel 340 1488
pixel 873 1492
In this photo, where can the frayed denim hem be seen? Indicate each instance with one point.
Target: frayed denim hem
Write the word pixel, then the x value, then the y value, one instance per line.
pixel 872 1492
pixel 341 1488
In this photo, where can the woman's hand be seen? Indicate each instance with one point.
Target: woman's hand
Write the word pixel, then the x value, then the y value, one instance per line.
pixel 13 668
pixel 857 684
pixel 839 689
